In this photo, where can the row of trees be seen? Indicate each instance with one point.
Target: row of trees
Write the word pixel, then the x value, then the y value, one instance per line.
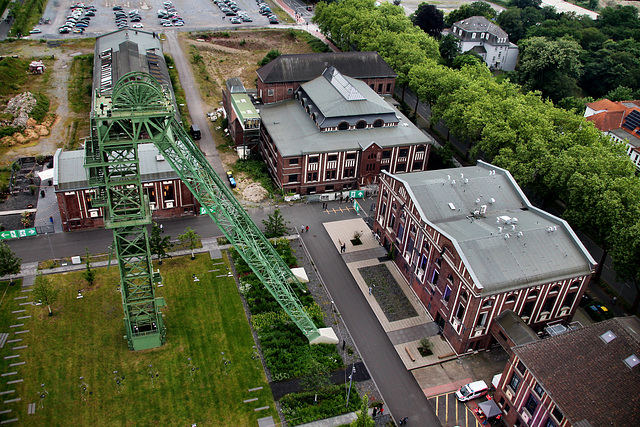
pixel 551 151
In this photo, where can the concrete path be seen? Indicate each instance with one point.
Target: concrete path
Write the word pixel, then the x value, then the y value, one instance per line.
pixel 192 92
pixel 402 395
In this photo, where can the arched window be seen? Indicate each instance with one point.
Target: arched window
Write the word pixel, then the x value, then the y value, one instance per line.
pixel 555 289
pixel 487 303
pixel 575 285
pixel 361 124
pixel 533 294
pixel 378 123
pixel 511 298
pixel 343 126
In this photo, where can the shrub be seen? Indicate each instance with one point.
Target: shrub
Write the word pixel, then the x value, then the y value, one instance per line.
pixel 301 408
pixel 271 55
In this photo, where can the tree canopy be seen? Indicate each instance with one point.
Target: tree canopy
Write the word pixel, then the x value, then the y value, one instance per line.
pixel 9 263
pixel 429 18
pixel 477 8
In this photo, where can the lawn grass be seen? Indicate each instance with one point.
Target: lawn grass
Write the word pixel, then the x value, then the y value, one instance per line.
pixel 205 322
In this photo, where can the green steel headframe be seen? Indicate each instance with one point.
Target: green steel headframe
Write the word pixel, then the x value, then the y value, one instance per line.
pixel 140 111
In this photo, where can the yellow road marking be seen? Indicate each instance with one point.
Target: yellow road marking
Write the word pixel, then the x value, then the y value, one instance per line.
pixel 446 417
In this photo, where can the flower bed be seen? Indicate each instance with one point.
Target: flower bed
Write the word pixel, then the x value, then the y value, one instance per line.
pixel 387 292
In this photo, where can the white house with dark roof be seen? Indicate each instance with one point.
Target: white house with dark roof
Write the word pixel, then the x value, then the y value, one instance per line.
pixel 336 135
pixel 487 40
pixel 471 245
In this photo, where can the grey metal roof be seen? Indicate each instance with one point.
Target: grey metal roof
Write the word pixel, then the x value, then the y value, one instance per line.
pixel 517 330
pixel 633 140
pixel 70 174
pixel 330 95
pixel 308 66
pixel 538 249
pixel 481 24
pixel 295 134
pixel 234 85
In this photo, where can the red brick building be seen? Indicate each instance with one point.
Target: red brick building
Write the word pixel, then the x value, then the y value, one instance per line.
pixel 243 120
pixel 471 246
pixel 279 79
pixel 337 134
pixel 167 195
pixel 583 377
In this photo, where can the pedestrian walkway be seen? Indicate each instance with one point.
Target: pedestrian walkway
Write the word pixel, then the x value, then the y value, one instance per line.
pixel 405 334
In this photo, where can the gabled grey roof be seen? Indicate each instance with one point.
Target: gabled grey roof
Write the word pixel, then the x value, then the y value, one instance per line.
pixel 308 66
pixel 70 174
pixel 500 255
pixel 295 134
pixel 481 24
pixel 332 103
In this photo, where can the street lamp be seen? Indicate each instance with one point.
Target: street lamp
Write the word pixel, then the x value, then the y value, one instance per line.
pixel 353 371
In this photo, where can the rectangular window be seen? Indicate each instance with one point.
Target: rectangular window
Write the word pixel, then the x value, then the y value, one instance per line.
pixel 400 232
pixel 417 166
pixel 290 91
pixel 393 220
pixel 270 92
pixel 434 278
pixel 548 304
pixel 532 404
pixel 401 167
pixel 460 312
pixel 312 176
pixel 311 190
pixel 384 168
pixel 349 172
pixel 351 156
pixel 388 87
pixel 403 152
pixel 527 309
pixel 293 177
pixel 482 320
pixel 515 382
pixel 447 294
pixel 521 368
pixel 314 159
pixel 550 423
pixel 332 157
pixel 539 390
pixel 328 188
pixel 557 414
pixel 569 299
pixel 386 154
pixel 293 162
pixel 331 174
pixel 423 263
pixel 383 209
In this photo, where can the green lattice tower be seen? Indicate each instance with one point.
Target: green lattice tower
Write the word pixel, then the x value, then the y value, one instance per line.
pixel 151 117
pixel 111 159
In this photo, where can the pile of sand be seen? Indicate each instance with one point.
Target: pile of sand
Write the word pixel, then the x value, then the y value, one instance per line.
pixel 255 193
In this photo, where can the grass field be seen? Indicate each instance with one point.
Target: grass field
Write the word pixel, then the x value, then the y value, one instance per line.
pixel 205 322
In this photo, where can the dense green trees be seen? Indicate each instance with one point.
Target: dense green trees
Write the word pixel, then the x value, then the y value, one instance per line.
pixel 429 18
pixel 477 8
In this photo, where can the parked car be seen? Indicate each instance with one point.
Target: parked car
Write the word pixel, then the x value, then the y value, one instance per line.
pixel 232 181
pixel 235 20
pixel 137 26
pixel 35 31
pixel 472 391
pixel 273 20
pixel 117 7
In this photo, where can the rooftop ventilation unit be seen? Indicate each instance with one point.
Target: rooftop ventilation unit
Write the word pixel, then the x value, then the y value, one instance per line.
pixel 452 206
pixel 483 209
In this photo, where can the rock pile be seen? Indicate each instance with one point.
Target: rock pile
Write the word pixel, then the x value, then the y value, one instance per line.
pixel 20 106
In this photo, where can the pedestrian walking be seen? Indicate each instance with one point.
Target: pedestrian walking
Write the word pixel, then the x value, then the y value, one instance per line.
pixel 370 290
pixel 307 228
pixel 375 411
pixel 343 248
pixel 403 421
pixel 51 219
pixel 381 409
pixel 302 228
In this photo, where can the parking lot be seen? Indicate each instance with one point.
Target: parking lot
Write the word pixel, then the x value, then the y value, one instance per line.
pixel 452 412
pixel 196 14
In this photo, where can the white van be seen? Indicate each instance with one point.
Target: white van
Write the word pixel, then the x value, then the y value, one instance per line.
pixel 472 391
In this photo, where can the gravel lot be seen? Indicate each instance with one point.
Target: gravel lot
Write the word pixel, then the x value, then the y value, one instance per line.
pixel 197 15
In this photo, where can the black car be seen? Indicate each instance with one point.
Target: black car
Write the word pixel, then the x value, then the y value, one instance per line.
pixel 117 7
pixel 273 20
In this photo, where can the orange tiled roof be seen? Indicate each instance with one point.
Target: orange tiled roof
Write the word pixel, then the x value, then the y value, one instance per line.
pixel 605 104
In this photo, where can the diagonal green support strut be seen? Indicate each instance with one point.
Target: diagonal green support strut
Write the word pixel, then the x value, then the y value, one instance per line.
pixel 140 111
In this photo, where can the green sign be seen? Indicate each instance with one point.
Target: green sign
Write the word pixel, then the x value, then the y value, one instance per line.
pixel 203 210
pixel 16 234
pixel 356 206
pixel 359 194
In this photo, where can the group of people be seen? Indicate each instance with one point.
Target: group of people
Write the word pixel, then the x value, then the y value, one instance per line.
pixel 303 228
